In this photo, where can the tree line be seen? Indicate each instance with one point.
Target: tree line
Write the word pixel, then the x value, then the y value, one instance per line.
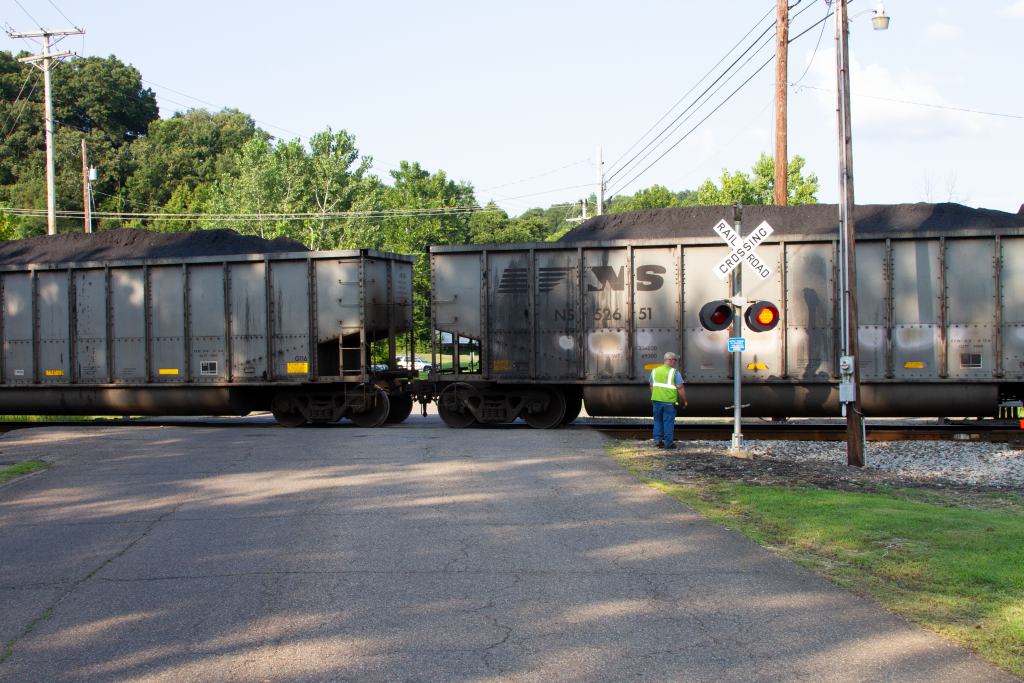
pixel 199 169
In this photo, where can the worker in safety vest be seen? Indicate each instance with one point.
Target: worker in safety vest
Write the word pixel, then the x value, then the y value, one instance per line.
pixel 666 393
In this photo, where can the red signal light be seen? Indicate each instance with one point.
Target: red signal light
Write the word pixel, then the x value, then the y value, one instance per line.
pixel 716 315
pixel 721 315
pixel 762 316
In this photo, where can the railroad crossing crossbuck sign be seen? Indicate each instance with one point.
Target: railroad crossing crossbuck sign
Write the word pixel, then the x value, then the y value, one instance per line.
pixel 742 249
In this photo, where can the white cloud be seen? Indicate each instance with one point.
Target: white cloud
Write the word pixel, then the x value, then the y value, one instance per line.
pixel 1015 10
pixel 944 31
pixel 885 119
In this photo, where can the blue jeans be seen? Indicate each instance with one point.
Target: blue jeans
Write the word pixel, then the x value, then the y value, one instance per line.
pixel 664 421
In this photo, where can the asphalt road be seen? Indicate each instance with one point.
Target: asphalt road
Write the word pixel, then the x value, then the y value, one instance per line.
pixel 414 553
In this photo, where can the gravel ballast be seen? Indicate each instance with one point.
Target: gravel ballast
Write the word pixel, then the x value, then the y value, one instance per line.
pixel 978 467
pixel 136 243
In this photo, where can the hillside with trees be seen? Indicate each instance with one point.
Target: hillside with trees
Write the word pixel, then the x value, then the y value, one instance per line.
pixel 199 169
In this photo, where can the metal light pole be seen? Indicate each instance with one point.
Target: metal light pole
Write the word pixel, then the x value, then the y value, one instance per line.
pixel 849 389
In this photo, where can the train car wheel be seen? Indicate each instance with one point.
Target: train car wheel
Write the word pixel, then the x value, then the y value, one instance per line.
pixel 573 408
pixel 548 417
pixel 452 412
pixel 290 419
pixel 376 414
pixel 401 408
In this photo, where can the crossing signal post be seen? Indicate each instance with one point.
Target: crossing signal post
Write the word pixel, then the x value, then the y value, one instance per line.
pixel 715 316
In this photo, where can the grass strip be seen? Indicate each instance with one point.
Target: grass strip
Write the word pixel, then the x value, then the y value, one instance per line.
pixel 18 469
pixel 956 570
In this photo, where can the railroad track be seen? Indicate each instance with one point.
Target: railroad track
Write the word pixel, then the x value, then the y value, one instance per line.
pixel 999 432
pixel 995 431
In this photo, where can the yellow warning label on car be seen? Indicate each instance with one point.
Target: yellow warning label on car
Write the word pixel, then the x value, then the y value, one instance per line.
pixel 651 366
pixel 297 368
pixel 168 371
pixel 504 366
pixel 757 366
pixel 914 364
pixel 54 373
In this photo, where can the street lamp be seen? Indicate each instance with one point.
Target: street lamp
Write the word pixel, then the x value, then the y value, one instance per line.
pixel 849 389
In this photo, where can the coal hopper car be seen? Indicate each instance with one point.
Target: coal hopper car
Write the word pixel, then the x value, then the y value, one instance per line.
pixel 304 334
pixel 535 330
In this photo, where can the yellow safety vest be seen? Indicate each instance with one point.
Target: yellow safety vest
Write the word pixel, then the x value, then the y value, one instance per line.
pixel 663 379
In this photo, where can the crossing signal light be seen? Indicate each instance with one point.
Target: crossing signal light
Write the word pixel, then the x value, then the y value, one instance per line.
pixel 716 315
pixel 762 317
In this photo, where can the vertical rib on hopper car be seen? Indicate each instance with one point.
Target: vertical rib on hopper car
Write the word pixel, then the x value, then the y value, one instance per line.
pixel 288 332
pixel 941 325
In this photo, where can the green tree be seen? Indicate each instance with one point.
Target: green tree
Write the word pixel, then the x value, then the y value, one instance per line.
pixel 419 208
pixel 99 99
pixel 174 166
pixel 759 188
pixel 333 184
pixel 494 226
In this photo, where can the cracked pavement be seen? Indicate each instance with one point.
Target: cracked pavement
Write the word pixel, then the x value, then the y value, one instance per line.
pixel 408 553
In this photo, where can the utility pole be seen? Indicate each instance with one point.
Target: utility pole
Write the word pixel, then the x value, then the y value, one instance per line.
pixel 849 390
pixel 45 62
pixel 86 188
pixel 781 84
pixel 600 184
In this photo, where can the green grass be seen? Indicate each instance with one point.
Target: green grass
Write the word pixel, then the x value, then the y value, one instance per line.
pixel 26 467
pixel 956 568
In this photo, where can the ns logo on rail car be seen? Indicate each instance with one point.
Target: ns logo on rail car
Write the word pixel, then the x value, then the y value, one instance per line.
pixel 516 280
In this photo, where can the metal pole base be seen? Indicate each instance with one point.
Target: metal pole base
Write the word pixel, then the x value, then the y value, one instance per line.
pixel 737 442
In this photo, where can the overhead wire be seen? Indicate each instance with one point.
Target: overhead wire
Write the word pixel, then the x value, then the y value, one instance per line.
pixel 919 104
pixel 539 175
pixel 27 14
pixel 62 14
pixel 16 120
pixel 631 164
pixel 699 98
pixel 721 104
pixel 828 5
pixel 677 127
pixel 710 71
pixel 28 75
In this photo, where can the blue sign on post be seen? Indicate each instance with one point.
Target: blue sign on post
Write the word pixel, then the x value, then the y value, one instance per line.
pixel 737 344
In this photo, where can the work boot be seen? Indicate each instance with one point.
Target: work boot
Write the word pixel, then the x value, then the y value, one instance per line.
pixel 658 444
pixel 669 447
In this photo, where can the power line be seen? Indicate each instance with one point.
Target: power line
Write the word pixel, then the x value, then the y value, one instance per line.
pixel 633 179
pixel 15 102
pixel 27 14
pixel 828 5
pixel 919 104
pixel 741 131
pixel 677 127
pixel 575 163
pixel 62 14
pixel 690 91
pixel 265 123
pixel 24 104
pixel 699 97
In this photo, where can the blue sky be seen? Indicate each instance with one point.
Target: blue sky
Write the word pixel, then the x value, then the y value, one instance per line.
pixel 496 94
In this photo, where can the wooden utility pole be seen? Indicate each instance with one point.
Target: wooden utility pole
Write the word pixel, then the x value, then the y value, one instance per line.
pixel 45 62
pixel 781 84
pixel 847 238
pixel 86 199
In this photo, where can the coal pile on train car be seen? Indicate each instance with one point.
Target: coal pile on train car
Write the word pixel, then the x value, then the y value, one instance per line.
pixel 809 219
pixel 136 243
